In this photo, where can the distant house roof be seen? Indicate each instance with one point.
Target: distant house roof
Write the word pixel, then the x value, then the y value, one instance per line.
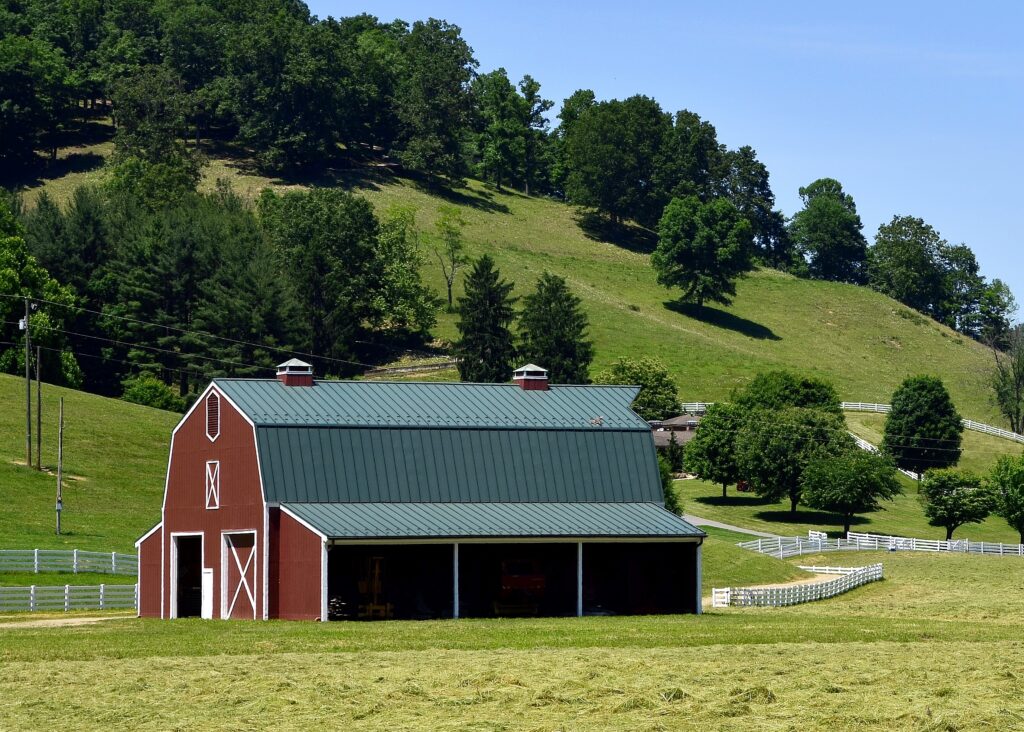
pixel 682 420
pixel 663 438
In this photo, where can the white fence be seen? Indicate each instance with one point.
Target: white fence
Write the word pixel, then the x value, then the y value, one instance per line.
pixel 784 547
pixel 68 560
pixel 865 445
pixel 904 543
pixel 969 424
pixel 58 598
pixel 695 407
pixel 849 577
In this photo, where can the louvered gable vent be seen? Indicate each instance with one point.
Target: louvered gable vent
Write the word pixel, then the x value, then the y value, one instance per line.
pixel 212 416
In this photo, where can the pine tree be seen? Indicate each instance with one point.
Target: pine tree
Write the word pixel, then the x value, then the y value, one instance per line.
pixel 553 332
pixel 485 349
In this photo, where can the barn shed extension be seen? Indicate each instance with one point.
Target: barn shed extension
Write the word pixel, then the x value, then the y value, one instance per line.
pixel 312 499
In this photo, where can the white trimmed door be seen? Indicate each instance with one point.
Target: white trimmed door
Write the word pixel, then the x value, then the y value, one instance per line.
pixel 238 583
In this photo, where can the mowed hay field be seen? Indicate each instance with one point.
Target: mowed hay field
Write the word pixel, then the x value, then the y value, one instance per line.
pixel 935 646
pixel 862 341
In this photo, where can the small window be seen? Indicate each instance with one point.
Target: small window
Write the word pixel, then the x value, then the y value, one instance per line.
pixel 212 416
pixel 213 484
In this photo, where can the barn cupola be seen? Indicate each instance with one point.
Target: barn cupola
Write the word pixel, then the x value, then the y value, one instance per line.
pixel 531 378
pixel 294 372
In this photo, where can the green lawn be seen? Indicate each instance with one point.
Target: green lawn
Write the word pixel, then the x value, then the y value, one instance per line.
pixel 24 579
pixel 115 458
pixel 726 565
pixel 865 343
pixel 935 646
pixel 903 516
pixel 980 451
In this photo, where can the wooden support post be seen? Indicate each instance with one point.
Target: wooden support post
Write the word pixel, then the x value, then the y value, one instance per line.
pixel 455 580
pixel 579 579
pixel 39 409
pixel 698 582
pixel 28 392
pixel 60 472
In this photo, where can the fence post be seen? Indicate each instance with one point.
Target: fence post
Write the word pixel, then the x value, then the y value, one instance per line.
pixel 32 598
pixel 101 596
pixel 113 562
pixel 74 562
pixel 67 597
pixel 35 561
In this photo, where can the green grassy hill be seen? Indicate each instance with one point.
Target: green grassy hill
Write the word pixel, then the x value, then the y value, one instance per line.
pixel 115 457
pixel 862 341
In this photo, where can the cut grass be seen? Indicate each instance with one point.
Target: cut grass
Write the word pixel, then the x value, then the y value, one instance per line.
pixel 935 646
pixel 903 516
pixel 115 457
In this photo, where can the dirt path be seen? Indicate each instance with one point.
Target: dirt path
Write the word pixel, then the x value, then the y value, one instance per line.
pixel 698 521
pixel 61 622
pixel 814 578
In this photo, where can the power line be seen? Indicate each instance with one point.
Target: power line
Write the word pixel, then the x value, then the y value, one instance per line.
pixel 193 332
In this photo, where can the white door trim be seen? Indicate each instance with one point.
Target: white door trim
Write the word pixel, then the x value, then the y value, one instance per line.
pixel 174 563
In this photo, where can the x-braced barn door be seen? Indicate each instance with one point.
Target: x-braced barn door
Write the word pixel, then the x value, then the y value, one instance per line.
pixel 239 583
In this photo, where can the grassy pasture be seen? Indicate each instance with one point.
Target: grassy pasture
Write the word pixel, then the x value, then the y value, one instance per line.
pixel 935 646
pixel 903 516
pixel 23 579
pixel 115 457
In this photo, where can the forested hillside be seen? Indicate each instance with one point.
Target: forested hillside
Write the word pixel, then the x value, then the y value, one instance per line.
pixel 205 188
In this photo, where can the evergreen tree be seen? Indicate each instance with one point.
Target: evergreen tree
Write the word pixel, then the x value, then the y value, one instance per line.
pixel 485 348
pixel 553 331
pixel 923 429
pixel 536 157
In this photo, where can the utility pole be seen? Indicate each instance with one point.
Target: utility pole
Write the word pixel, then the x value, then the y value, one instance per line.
pixel 28 393
pixel 39 408
pixel 60 464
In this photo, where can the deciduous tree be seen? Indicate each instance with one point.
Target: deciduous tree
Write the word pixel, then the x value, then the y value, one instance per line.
pixel 781 389
pixel 953 498
pixel 711 454
pixel 850 483
pixel 658 397
pixel 775 447
pixel 827 231
pixel 1006 482
pixel 702 249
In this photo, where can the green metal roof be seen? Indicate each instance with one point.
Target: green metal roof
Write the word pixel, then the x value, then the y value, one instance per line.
pixel 374 465
pixel 414 404
pixel 484 520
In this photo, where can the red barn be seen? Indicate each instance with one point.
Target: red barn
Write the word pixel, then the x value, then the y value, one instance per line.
pixel 310 499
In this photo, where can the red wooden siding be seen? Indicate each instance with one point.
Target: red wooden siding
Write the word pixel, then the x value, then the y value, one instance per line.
pixel 296 555
pixel 149 576
pixel 241 505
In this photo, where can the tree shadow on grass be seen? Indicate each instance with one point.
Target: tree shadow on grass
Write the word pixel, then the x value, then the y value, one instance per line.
pixel 54 169
pixel 723 319
pixel 810 518
pixel 747 499
pixel 629 236
pixel 482 200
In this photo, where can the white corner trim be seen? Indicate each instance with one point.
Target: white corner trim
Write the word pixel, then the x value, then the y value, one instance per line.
pixel 323 580
pixel 306 524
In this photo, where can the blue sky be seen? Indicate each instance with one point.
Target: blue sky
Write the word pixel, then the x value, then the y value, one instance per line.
pixel 917 108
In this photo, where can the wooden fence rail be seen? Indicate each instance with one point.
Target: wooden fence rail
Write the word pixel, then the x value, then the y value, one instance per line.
pixel 847 579
pixel 68 560
pixel 57 598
